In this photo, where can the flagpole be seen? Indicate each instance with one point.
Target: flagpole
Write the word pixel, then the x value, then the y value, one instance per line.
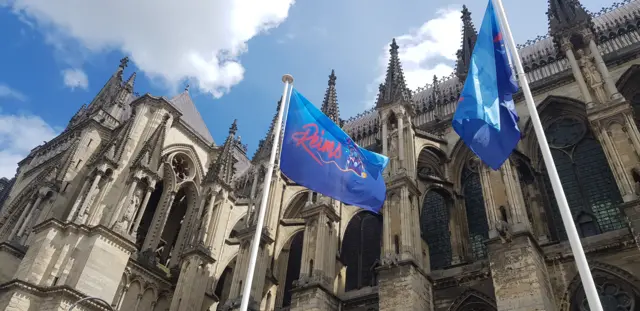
pixel 572 233
pixel 255 244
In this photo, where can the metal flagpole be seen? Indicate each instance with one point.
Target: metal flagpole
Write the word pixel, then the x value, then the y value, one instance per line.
pixel 255 244
pixel 572 233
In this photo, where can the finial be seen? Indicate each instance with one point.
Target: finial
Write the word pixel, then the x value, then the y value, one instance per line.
pixel 124 62
pixel 186 88
pixel 234 128
pixel 332 78
pixel 394 45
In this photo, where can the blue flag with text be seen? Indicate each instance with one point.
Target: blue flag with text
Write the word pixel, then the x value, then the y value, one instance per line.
pixel 486 119
pixel 318 155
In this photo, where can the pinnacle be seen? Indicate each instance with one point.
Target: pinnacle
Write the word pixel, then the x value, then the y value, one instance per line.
pixel 234 128
pixel 330 102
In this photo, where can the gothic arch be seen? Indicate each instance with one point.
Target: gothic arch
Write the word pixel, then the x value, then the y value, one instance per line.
pixel 431 163
pixel 288 266
pixel 609 281
pixel 295 204
pixel 473 300
pixel 288 238
pixel 360 250
pixel 551 108
pixel 459 157
pixel 629 86
pixel 190 151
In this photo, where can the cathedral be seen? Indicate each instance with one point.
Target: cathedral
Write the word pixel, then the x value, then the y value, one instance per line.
pixel 135 207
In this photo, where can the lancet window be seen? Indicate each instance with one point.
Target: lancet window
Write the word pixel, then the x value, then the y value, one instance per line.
pixel 586 178
pixel 434 228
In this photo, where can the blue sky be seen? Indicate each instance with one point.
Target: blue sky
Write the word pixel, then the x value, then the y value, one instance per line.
pixel 56 55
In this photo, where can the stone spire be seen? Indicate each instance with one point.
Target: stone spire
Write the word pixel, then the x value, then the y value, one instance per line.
pixel 264 146
pixel 394 87
pixel 330 102
pixel 566 15
pixel 221 171
pixel 469 36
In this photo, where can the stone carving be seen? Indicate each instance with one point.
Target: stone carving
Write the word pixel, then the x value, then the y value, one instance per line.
pixel 130 209
pixel 592 76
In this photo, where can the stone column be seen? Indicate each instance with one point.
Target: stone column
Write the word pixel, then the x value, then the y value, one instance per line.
pixel 604 71
pixel 21 220
pixel 403 281
pixel 117 215
pixel 33 212
pixel 519 273
pixel 401 155
pixel 157 225
pixel 82 217
pixel 79 200
pixel 314 288
pixel 142 209
pixel 577 74
pixel 239 274
pixel 207 221
pixel 385 131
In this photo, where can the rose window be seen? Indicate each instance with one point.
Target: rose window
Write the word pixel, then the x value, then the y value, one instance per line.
pixel 614 295
pixel 181 167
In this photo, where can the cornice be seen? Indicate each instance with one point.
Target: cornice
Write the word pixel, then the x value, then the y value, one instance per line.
pixel 60 292
pixel 100 230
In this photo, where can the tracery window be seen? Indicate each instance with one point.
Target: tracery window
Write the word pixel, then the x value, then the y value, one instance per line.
pixel 474 206
pixel 181 167
pixel 615 294
pixel 434 228
pixel 361 250
pixel 586 178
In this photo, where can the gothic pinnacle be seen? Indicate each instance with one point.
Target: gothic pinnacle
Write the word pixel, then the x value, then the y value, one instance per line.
pixel 330 102
pixel 234 128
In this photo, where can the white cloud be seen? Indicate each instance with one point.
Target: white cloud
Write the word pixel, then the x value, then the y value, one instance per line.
pixel 75 78
pixel 424 52
pixel 18 135
pixel 168 40
pixel 8 92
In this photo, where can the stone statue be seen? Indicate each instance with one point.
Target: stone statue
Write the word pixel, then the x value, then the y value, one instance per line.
pixel 592 76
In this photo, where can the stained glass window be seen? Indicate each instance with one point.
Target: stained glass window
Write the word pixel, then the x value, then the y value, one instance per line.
pixel 434 228
pixel 361 250
pixel 586 178
pixel 615 294
pixel 476 215
pixel 293 266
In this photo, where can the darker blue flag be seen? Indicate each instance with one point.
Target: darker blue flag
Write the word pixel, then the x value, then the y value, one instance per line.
pixel 486 119
pixel 318 155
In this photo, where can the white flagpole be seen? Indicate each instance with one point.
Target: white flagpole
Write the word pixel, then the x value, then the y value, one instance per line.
pixel 572 233
pixel 255 244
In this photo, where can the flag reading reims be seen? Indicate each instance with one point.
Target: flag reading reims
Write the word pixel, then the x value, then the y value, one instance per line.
pixel 318 155
pixel 486 119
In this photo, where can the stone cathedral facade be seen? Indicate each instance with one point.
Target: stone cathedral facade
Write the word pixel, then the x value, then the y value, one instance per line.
pixel 134 202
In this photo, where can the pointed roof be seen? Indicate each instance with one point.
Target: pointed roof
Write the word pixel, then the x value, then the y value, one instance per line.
pixel 190 115
pixel 394 87
pixel 469 37
pixel 222 169
pixel 330 102
pixel 567 14
pixel 264 146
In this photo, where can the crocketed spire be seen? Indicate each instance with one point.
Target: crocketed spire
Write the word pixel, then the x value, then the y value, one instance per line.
pixel 395 87
pixel 469 36
pixel 330 102
pixel 222 170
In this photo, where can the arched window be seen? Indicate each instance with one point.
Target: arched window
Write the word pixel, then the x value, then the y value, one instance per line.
pixel 474 206
pixel 293 266
pixel 434 228
pixel 586 178
pixel 361 250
